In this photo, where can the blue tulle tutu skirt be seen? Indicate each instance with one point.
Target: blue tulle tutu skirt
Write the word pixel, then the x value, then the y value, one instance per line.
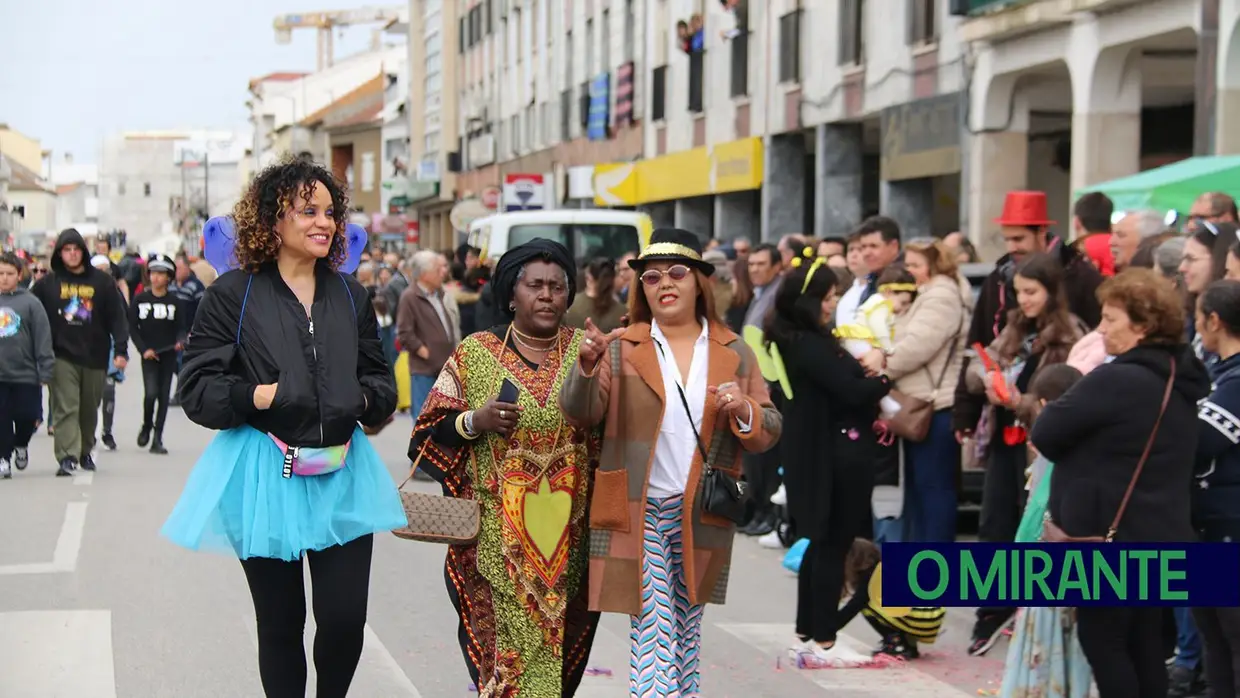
pixel 238 502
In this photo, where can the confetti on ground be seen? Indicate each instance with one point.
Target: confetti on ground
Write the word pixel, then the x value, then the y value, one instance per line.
pixel 598 671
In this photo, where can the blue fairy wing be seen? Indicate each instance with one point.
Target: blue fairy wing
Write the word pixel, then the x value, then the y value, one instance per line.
pixel 219 240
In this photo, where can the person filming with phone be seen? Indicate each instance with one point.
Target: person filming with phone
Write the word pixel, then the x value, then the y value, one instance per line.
pixel 678 385
pixel 491 430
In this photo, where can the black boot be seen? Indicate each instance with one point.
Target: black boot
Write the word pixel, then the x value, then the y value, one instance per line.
pixel 157 445
pixel 144 436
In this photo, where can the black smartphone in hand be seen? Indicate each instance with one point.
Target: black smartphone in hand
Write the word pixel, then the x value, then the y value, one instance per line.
pixel 508 392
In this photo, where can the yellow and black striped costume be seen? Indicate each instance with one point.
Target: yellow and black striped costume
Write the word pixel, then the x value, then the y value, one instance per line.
pixel 920 623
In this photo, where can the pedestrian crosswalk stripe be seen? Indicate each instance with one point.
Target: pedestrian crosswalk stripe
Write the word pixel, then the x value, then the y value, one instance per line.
pixel 68 545
pixel 905 681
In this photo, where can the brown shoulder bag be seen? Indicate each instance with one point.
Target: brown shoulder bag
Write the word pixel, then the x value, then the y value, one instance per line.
pixel 436 519
pixel 1052 533
pixel 912 422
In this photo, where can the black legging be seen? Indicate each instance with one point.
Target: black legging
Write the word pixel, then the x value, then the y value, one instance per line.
pixel 820 586
pixel 157 381
pixel 1220 635
pixel 1124 647
pixel 340 576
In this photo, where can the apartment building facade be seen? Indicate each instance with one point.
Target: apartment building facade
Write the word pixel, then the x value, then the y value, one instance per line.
pixel 163 184
pixel 767 125
pixel 430 184
pixel 1071 95
pixel 283 106
pixel 546 89
pixel 806 116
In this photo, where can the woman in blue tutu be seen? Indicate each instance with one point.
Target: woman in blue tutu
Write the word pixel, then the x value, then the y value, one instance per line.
pixel 284 359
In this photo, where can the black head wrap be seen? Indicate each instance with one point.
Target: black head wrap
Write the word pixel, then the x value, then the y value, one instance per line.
pixel 504 279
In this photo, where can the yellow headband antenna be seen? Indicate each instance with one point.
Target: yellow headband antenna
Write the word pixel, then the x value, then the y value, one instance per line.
pixel 819 262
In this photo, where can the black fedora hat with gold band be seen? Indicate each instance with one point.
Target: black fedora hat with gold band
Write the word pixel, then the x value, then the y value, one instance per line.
pixel 676 246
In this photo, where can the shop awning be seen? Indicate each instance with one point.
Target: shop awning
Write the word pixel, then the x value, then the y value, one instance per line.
pixel 1173 187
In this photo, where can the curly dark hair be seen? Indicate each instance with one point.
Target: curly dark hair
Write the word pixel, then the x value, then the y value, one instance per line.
pixel 270 196
pixel 1151 303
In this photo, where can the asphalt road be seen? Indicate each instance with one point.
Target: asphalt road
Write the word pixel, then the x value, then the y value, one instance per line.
pixel 94 604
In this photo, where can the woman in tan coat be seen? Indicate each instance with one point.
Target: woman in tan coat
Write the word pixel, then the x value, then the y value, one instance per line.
pixel 670 389
pixel 925 364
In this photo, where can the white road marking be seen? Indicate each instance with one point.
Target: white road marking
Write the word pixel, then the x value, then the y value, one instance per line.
pixel 57 654
pixel 68 545
pixel 82 479
pixel 775 638
pixel 378 672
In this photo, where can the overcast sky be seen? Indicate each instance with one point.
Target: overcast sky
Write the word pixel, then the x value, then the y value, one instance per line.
pixel 72 71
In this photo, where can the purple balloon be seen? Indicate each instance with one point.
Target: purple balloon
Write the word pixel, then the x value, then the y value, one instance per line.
pixel 219 241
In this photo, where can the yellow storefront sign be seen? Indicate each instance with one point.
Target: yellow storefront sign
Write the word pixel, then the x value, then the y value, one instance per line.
pixel 727 167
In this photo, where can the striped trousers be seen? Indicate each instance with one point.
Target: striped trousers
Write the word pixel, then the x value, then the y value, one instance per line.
pixel 666 637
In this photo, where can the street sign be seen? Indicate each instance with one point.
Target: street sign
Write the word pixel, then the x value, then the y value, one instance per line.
pixel 523 192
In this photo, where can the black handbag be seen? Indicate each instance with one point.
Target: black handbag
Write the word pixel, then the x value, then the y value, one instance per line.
pixel 722 494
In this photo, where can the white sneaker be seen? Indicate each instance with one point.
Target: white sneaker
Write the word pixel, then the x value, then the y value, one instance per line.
pixel 780 498
pixel 771 540
pixel 801 647
pixel 836 657
pixel 5 471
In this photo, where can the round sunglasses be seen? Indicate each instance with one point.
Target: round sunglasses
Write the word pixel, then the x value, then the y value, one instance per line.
pixel 653 277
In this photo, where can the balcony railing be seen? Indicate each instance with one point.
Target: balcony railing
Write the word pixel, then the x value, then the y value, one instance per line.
pixel 697 82
pixel 740 65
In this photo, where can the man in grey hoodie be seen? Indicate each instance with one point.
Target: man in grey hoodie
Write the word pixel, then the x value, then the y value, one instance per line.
pixel 26 363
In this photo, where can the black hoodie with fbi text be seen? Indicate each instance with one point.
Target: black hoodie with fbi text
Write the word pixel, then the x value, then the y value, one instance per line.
pixel 86 310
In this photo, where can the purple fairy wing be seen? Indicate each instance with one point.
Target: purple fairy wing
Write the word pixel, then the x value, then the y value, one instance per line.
pixel 219 238
pixel 356 240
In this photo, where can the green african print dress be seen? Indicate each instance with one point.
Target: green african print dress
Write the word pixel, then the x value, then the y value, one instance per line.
pixel 520 590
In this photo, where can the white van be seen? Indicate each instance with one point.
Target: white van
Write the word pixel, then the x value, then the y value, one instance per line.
pixel 587 233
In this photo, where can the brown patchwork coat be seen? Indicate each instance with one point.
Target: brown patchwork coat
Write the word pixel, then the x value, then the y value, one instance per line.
pixel 626 395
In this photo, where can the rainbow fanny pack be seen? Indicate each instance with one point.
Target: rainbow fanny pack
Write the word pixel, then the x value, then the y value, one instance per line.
pixel 308 461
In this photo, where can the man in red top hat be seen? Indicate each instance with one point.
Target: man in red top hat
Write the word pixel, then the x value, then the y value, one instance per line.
pixel 1026 231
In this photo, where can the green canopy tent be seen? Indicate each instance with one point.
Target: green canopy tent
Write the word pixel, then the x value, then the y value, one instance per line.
pixel 1172 187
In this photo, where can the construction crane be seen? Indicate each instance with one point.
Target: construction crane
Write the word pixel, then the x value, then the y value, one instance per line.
pixel 325 22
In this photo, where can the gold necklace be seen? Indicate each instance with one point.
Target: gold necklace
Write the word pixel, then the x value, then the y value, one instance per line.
pixel 531 347
pixel 551 341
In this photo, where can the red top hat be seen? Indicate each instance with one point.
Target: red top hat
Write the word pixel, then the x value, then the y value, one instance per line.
pixel 1024 208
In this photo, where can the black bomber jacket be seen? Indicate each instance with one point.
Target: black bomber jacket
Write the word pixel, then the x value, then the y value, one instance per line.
pixel 251 330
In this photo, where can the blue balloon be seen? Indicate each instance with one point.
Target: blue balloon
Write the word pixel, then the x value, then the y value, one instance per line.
pixel 219 242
